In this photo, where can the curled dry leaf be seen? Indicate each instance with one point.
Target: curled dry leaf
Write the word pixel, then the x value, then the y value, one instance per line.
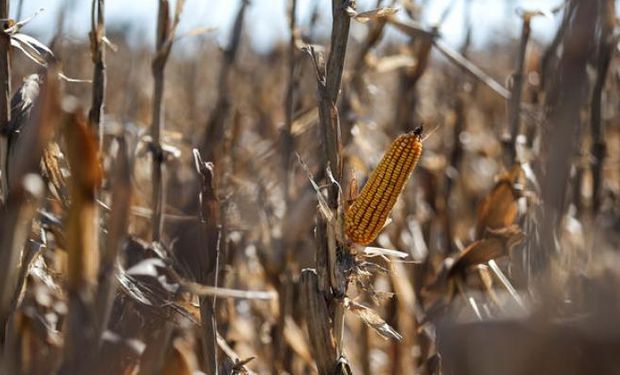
pixel 32 48
pixel 16 26
pixel 527 14
pixel 371 318
pixel 197 31
pixel 53 172
pixel 370 251
pixel 497 244
pixel 499 208
pixel 394 62
pixel 364 17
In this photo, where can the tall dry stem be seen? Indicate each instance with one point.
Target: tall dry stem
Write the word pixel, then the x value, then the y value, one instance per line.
pixel 82 235
pixel 597 125
pixel 166 30
pixel 5 98
pixel 514 103
pixel 330 281
pixel 97 50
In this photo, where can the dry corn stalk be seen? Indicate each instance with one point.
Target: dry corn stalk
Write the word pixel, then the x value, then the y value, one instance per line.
pixel 369 212
pixel 320 334
pixel 82 238
pixel 82 242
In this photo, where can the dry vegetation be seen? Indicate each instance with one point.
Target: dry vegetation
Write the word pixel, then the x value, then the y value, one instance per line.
pixel 196 210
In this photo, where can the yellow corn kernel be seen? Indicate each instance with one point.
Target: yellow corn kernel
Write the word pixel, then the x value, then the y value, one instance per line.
pixel 367 215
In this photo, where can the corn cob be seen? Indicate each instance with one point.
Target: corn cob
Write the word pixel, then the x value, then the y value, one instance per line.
pixel 366 217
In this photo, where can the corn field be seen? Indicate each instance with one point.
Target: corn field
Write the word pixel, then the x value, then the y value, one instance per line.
pixel 370 198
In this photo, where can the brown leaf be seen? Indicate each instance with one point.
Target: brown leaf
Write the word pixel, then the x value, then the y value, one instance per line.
pixel 52 171
pixel 499 208
pixel 496 245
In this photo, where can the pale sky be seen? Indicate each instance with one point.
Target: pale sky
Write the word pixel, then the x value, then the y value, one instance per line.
pixel 266 19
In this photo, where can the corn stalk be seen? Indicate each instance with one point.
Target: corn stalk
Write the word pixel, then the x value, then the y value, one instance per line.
pixel 330 280
pixel 166 31
pixel 5 99
pixel 97 50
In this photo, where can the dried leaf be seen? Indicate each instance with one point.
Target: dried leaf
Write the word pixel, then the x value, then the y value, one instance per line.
pixel 373 14
pixel 196 31
pixel 32 48
pixel 390 63
pixel 147 267
pixel 497 244
pixel 62 76
pixel 499 208
pixel 323 205
pixel 370 251
pixel 16 26
pixel 53 172
pixel 373 320
pixel 527 15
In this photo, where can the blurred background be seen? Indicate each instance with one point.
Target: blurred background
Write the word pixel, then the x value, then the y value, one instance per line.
pixel 208 166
